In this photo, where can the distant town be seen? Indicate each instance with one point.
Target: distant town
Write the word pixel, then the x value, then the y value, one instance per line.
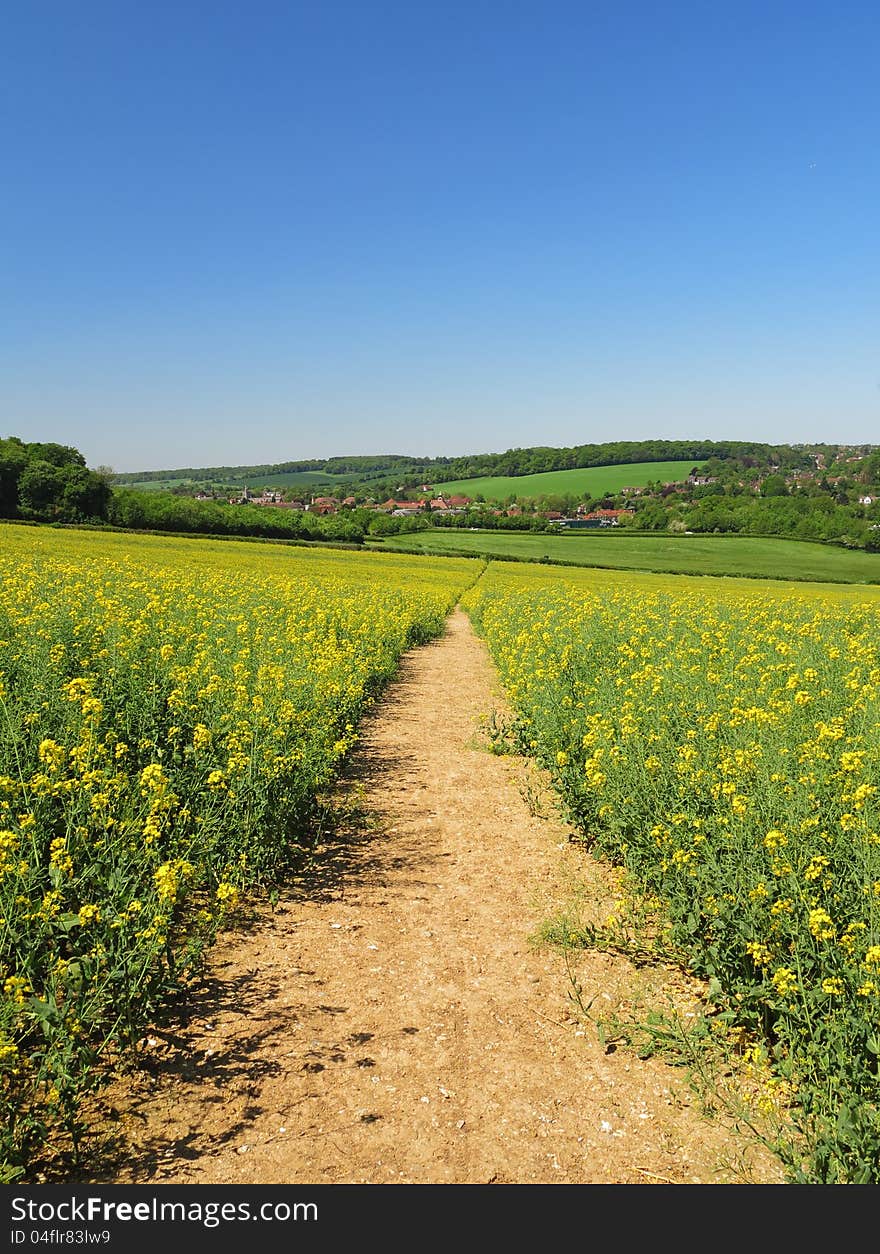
pixel 852 480
pixel 828 493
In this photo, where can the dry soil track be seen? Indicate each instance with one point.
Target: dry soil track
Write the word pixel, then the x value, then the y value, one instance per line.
pixel 391 1022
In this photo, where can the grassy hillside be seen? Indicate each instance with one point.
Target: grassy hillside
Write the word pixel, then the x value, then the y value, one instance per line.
pixel 747 556
pixel 590 481
pixel 308 480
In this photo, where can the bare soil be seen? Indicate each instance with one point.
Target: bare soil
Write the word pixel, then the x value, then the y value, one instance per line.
pixel 392 1019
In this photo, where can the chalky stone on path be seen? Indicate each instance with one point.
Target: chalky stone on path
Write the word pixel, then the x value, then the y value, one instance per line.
pixel 390 1021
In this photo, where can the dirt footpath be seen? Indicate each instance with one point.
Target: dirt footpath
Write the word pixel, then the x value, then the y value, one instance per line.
pixel 391 1022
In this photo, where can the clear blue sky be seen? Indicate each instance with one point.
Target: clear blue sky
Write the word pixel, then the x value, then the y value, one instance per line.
pixel 252 232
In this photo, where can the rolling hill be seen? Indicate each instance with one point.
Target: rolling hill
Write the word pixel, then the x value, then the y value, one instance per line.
pixel 588 481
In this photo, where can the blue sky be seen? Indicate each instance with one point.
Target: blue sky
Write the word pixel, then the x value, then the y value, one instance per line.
pixel 243 233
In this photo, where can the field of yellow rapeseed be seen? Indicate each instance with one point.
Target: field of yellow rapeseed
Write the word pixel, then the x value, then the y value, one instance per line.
pixel 721 740
pixel 169 712
pixel 173 711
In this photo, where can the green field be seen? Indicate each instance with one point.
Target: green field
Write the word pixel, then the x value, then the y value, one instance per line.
pixel 306 479
pixel 310 479
pixel 156 485
pixel 747 556
pixel 589 481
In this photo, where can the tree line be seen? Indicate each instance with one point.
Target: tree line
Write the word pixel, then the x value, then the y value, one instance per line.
pixel 44 482
pixel 407 470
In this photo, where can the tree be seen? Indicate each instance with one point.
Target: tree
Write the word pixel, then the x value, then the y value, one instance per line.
pixel 39 488
pixel 84 494
pixel 56 454
pixel 65 493
pixel 774 485
pixel 652 518
pixel 13 459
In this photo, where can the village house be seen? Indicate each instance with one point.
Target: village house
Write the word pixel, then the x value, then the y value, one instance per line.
pixel 612 515
pixel 243 498
pixel 403 509
pixel 597 518
pixel 449 504
pixel 392 506
pixel 323 505
pixel 268 496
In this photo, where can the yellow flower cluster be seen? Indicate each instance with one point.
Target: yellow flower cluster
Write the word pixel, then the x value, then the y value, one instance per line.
pixel 722 739
pixel 172 711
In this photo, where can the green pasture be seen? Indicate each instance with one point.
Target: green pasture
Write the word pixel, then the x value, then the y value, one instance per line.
pixel 589 481
pixel 745 556
pixel 306 479
pixel 310 479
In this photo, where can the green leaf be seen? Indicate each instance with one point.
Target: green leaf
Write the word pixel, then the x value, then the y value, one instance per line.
pixel 45 1011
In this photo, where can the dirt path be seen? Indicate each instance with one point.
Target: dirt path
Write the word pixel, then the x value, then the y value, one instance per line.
pixel 394 1024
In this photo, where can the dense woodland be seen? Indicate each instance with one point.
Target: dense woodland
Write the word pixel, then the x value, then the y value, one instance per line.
pixel 49 481
pixel 811 492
